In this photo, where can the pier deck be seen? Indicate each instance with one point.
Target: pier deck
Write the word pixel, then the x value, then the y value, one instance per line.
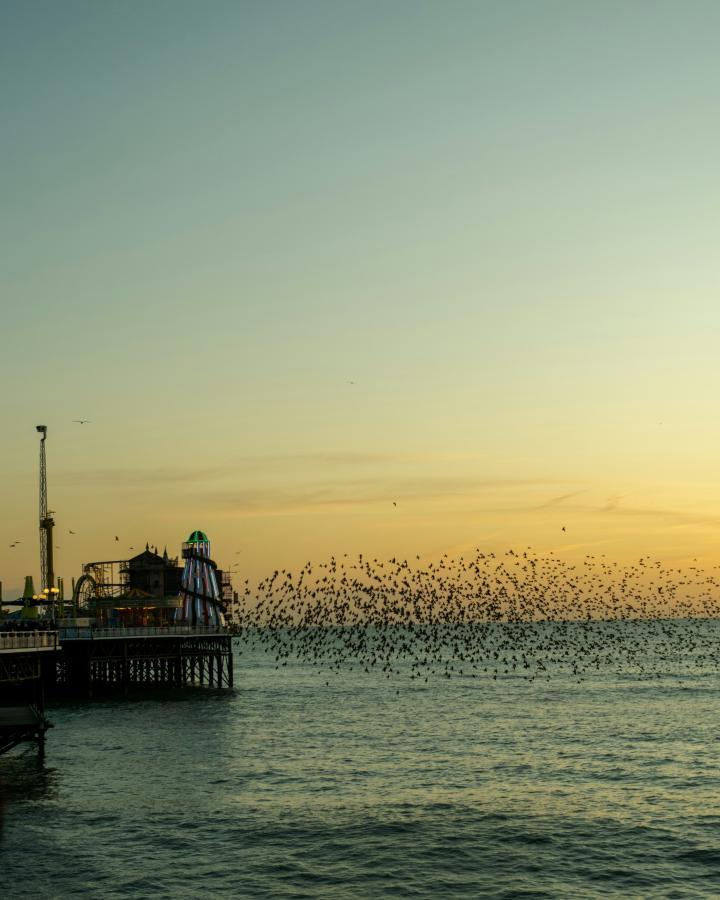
pixel 165 656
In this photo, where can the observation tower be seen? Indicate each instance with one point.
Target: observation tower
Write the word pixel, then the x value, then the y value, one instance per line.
pixel 202 602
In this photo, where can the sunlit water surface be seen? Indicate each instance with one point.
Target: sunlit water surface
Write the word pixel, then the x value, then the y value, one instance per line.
pixel 373 787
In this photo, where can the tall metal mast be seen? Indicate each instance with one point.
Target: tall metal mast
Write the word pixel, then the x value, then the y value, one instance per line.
pixel 47 576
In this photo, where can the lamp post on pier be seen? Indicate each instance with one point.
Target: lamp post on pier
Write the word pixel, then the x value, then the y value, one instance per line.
pixel 51 597
pixel 48 598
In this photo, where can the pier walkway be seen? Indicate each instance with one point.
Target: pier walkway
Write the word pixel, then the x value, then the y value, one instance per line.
pixel 171 656
pixel 140 631
pixel 80 657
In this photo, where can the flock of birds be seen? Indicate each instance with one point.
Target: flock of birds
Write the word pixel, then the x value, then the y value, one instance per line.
pixel 487 615
pixel 507 615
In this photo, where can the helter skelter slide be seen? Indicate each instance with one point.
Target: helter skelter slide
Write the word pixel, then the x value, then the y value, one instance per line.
pixel 202 603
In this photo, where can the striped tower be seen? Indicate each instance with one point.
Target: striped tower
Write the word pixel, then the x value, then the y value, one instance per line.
pixel 202 604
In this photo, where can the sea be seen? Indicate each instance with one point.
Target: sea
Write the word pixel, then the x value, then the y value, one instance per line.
pixel 307 783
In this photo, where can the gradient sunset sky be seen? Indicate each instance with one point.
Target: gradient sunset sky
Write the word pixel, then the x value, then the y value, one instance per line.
pixel 301 261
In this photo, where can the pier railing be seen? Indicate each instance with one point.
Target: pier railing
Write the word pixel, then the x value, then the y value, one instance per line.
pixel 94 633
pixel 28 640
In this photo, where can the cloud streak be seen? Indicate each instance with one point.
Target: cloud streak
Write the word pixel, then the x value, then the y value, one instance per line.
pixel 364 493
pixel 300 489
pixel 557 501
pixel 127 477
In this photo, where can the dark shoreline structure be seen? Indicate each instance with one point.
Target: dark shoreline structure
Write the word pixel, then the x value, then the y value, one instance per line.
pixel 174 656
pixel 27 662
pixel 155 626
pixel 84 661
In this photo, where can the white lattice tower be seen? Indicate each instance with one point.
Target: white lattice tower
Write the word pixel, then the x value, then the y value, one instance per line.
pixel 43 510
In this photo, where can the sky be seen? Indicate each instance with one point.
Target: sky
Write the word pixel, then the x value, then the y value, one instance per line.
pixel 392 278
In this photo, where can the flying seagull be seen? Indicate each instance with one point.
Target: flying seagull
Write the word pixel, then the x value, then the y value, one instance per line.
pixel 83 421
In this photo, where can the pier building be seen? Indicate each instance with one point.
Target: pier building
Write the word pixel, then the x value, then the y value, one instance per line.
pixel 148 621
pixel 153 590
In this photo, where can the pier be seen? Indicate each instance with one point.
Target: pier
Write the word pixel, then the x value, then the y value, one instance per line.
pixel 141 622
pixel 172 656
pixel 81 660
pixel 27 662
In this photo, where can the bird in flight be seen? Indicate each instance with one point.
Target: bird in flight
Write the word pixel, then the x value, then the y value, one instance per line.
pixel 563 528
pixel 394 503
pixel 70 532
pixel 117 538
pixel 83 421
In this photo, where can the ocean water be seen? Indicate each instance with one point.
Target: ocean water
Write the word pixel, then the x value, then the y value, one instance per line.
pixel 305 784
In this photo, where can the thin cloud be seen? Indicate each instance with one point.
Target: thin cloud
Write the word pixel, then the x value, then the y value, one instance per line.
pixel 361 493
pixel 330 458
pixel 559 549
pixel 612 508
pixel 127 478
pixel 676 516
pixel 613 503
pixel 557 501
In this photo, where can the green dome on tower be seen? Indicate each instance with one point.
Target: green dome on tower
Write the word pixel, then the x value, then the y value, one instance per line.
pixel 198 537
